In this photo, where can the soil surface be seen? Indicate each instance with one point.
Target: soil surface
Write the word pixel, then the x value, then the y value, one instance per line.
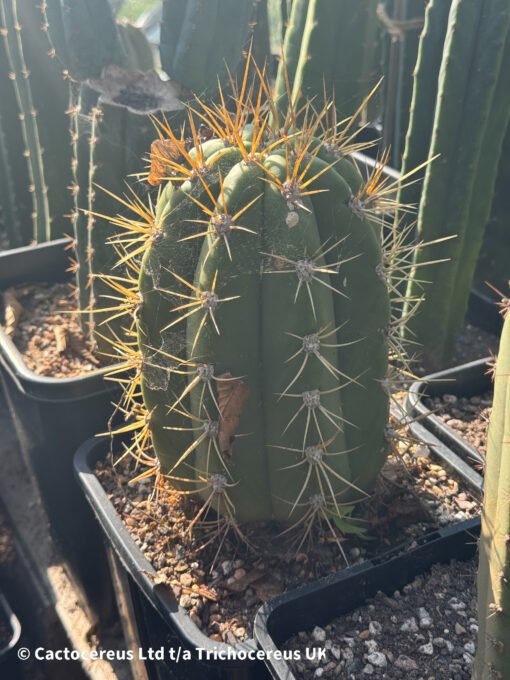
pixel 44 325
pixel 473 343
pixel 221 579
pixel 467 416
pixel 427 631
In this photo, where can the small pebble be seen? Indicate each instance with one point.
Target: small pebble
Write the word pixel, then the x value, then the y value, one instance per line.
pixel 427 649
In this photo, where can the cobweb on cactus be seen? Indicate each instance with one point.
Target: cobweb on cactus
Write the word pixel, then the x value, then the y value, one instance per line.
pixel 269 270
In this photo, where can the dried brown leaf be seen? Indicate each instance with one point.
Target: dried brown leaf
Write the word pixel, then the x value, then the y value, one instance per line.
pixel 163 153
pixel 13 311
pixel 232 395
pixel 60 338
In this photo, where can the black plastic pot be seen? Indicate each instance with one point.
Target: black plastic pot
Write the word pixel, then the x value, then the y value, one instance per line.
pixel 155 618
pixel 484 313
pixel 9 663
pixel 52 416
pixel 467 380
pixel 319 603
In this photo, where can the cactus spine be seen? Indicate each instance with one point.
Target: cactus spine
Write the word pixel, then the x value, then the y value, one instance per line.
pixel 471 116
pixel 493 650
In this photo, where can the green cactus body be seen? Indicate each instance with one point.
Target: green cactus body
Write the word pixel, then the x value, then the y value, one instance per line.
pixel 423 101
pixel 201 39
pixel 90 35
pixel 473 106
pixel 291 312
pixel 492 266
pixel 401 51
pixel 278 14
pixel 8 206
pixel 291 51
pixel 135 49
pixel 31 138
pixel 337 53
pixel 50 94
pixel 493 649
pixel 111 144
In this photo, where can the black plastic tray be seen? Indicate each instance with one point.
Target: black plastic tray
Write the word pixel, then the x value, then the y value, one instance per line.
pixel 463 381
pixel 51 417
pixel 157 617
pixel 319 603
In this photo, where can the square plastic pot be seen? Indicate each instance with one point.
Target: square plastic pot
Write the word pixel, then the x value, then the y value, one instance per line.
pixel 151 614
pixel 51 417
pixel 468 380
pixel 317 604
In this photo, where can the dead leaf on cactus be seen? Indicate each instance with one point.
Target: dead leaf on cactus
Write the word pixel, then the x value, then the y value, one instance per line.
pixel 164 152
pixel 13 311
pixel 232 395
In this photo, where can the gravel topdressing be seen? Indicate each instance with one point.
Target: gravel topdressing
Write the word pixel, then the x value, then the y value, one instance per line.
pixel 468 416
pixel 427 631
pixel 44 325
pixel 221 582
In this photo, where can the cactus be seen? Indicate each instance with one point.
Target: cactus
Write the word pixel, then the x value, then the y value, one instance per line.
pixel 11 31
pixel 263 320
pixel 111 140
pixel 471 117
pixel 403 20
pixel 330 48
pixel 492 266
pixel 493 650
pixel 203 40
pixel 15 164
pixel 90 35
pixel 423 102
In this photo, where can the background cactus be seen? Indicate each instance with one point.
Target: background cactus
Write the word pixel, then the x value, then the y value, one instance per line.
pixel 492 266
pixel 111 142
pixel 493 649
pixel 470 121
pixel 403 21
pixel 331 49
pixel 202 40
pixel 12 28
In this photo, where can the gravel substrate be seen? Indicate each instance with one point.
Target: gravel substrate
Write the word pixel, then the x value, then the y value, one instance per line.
pixel 221 581
pixel 427 631
pixel 44 325
pixel 467 416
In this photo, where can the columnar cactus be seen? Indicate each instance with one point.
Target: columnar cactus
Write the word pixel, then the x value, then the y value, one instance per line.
pixel 263 321
pixel 493 650
pixel 16 202
pixel 330 48
pixel 471 116
pixel 423 102
pixel 403 21
pixel 111 141
pixel 202 40
pixel 11 31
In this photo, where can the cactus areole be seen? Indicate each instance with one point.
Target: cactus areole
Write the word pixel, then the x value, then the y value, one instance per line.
pixel 263 328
